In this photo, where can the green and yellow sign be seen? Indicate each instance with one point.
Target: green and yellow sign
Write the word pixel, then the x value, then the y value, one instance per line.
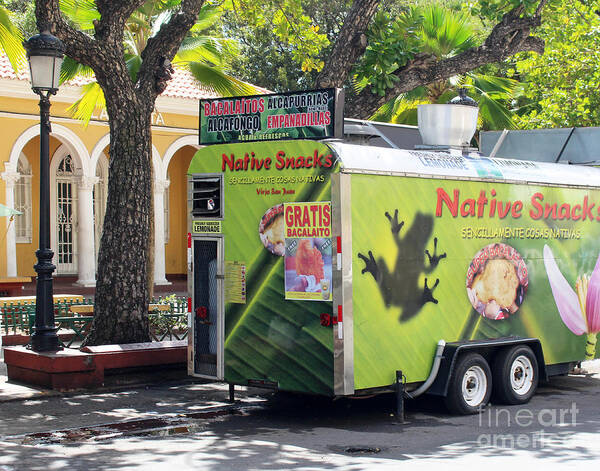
pixel 311 114
pixel 458 260
pixel 272 318
pixel 206 227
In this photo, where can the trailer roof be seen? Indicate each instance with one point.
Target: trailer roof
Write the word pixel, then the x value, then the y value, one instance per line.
pixel 380 160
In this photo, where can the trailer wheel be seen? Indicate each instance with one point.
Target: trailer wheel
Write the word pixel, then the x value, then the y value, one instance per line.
pixel 470 385
pixel 515 375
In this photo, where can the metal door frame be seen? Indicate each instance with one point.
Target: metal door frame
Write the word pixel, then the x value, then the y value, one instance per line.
pixel 220 307
pixel 343 331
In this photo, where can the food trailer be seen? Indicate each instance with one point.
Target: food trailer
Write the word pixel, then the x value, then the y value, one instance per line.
pixel 335 269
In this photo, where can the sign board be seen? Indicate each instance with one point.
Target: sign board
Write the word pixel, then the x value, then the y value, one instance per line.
pixel 311 114
pixel 206 227
pixel 235 282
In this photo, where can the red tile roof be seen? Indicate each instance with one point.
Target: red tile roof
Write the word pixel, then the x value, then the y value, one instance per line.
pixel 182 85
pixel 6 70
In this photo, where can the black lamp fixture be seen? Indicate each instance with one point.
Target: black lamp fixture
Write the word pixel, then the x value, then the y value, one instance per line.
pixel 45 53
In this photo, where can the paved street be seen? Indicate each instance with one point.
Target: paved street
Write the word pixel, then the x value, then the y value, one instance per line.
pixel 191 426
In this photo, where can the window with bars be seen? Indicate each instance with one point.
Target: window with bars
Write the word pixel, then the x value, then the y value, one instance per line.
pixel 22 196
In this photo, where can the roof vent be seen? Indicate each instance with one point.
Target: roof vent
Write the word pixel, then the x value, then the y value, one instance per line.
pixel 452 124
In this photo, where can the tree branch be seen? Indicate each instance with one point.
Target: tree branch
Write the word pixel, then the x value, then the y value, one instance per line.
pixel 122 8
pixel 349 46
pixel 111 69
pixel 510 36
pixel 163 47
pixel 113 16
pixel 105 54
pixel 79 46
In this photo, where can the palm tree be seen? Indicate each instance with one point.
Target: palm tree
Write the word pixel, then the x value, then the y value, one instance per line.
pixel 204 56
pixel 444 33
pixel 11 40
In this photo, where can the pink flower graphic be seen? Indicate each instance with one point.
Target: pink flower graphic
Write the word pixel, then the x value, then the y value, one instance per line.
pixel 579 308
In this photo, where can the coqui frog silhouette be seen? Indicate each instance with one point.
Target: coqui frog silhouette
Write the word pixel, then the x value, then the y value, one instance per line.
pixel 401 287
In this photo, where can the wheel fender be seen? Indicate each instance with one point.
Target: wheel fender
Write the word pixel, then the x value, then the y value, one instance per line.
pixel 452 351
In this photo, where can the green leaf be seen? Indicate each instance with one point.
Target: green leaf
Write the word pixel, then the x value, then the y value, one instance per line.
pixel 91 99
pixel 81 12
pixel 11 41
pixel 71 69
pixel 219 81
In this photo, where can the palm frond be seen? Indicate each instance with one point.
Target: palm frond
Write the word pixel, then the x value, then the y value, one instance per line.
pixel 71 69
pixel 91 99
pixel 502 87
pixel 445 32
pixel 359 84
pixel 219 81
pixel 492 111
pixel 385 112
pixel 138 21
pixel 208 16
pixel 200 50
pixel 11 41
pixel 81 12
pixel 408 116
pixel 494 115
pixel 131 45
pixel 133 62
pixel 406 111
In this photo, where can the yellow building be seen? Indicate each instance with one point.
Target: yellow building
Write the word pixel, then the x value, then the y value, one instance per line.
pixel 78 177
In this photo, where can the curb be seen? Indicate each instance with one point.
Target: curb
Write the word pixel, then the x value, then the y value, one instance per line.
pixel 48 393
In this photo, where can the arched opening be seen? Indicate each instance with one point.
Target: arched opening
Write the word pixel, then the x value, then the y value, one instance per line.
pixel 176 216
pixel 24 158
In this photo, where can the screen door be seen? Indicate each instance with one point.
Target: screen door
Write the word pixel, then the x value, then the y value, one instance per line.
pixel 208 308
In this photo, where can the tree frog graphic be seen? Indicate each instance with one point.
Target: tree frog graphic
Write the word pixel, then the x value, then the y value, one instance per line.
pixel 400 287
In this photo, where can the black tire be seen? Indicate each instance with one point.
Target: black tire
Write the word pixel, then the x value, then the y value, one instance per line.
pixel 515 375
pixel 474 373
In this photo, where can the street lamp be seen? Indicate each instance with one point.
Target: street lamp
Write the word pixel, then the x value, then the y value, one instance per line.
pixel 45 53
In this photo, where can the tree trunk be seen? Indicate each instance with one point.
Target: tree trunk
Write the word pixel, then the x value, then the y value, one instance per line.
pixel 122 286
pixel 121 304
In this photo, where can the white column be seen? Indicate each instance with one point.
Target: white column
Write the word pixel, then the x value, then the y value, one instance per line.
pixel 86 258
pixel 159 232
pixel 10 177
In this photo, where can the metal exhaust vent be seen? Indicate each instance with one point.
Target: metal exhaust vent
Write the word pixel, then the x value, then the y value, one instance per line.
pixel 452 124
pixel 207 196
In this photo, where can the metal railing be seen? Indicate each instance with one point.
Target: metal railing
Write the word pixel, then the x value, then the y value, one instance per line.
pixel 18 318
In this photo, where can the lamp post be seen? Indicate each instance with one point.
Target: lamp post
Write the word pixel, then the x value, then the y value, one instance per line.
pixel 45 53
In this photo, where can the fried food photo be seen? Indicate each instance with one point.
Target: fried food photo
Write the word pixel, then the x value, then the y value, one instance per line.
pixel 497 281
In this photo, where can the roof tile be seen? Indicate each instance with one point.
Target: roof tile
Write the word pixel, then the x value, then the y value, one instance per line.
pixel 182 84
